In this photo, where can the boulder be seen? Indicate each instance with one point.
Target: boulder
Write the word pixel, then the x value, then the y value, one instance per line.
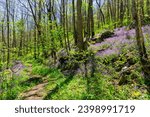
pixel 62 58
pixel 124 74
pixel 17 67
pixel 105 35
pixel 69 64
pixel 93 39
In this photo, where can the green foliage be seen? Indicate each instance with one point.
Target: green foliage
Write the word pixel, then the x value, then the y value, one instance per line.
pixel 12 87
pixel 40 70
pixel 108 59
pixel 1 66
pixel 20 25
pixel 146 20
pixel 76 89
pixel 103 47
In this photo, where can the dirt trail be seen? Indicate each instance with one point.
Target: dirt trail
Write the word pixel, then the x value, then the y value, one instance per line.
pixel 38 92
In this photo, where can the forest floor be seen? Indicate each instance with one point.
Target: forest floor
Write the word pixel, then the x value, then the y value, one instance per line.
pixel 35 81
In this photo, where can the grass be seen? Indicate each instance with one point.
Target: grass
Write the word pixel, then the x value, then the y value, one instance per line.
pixel 75 90
pixel 40 70
pixel 12 87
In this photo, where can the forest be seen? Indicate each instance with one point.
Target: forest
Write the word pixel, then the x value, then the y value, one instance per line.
pixel 74 49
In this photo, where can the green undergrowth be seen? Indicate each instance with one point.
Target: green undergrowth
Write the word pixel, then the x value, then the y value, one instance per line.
pixel 103 86
pixel 40 70
pixel 74 90
pixel 11 87
pixel 99 87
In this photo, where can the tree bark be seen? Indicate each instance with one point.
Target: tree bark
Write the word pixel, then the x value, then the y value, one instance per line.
pixel 8 37
pixel 140 38
pixel 80 43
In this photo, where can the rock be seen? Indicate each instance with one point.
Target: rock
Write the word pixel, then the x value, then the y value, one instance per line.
pixel 62 58
pixel 62 53
pixel 67 62
pixel 17 67
pixel 38 92
pixel 125 72
pixel 105 35
pixel 123 77
pixel 93 39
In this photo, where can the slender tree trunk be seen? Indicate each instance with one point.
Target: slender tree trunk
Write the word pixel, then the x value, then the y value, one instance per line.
pixel 14 33
pixel 101 14
pixel 8 38
pixel 122 11
pixel 74 22
pixel 3 42
pixel 67 29
pixel 90 22
pixel 80 43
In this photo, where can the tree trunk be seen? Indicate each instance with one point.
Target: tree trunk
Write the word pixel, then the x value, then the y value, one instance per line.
pixel 80 43
pixel 8 38
pixel 90 22
pixel 140 38
pixel 74 22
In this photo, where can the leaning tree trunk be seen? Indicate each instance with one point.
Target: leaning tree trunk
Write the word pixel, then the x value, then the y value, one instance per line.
pixel 140 38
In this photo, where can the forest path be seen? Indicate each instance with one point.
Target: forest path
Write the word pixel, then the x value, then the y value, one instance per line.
pixel 42 87
pixel 44 90
pixel 38 92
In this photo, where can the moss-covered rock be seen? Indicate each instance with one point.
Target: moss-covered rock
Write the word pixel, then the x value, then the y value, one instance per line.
pixel 105 35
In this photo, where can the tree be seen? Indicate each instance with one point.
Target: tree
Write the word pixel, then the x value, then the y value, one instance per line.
pixel 74 22
pixel 38 23
pixel 90 20
pixel 101 14
pixel 8 38
pixel 21 28
pixel 122 11
pixel 139 37
pixel 80 43
pixel 14 43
